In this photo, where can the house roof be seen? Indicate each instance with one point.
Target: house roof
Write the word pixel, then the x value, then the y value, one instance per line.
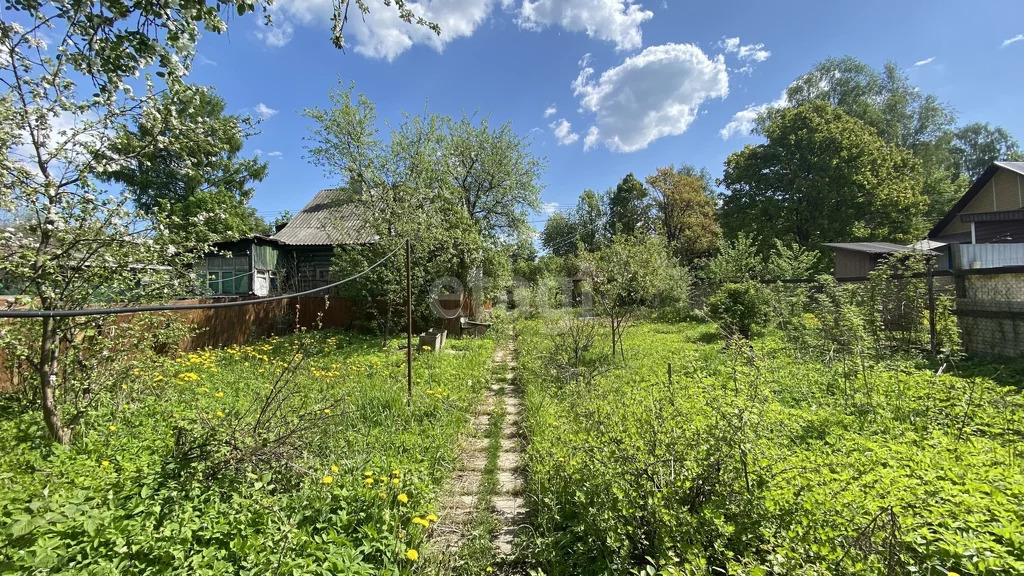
pixel 328 221
pixel 873 247
pixel 972 192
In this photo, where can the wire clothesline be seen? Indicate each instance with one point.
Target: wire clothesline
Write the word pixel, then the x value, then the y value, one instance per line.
pixel 169 307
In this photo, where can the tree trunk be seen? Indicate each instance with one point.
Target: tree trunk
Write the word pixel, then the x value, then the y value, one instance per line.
pixel 48 383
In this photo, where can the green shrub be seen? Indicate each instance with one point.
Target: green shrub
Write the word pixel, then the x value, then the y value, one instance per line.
pixel 739 308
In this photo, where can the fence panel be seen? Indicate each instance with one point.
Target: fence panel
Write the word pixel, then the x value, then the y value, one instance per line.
pixel 975 256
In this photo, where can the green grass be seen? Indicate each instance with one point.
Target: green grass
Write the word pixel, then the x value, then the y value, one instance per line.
pixel 178 473
pixel 753 462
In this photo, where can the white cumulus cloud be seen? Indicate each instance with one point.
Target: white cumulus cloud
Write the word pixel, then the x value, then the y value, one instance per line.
pixel 1016 38
pixel 755 52
pixel 551 111
pixel 549 208
pixel 277 35
pixel 264 111
pixel 742 122
pixel 381 33
pixel 562 130
pixel 745 52
pixel 616 21
pixel 651 95
pixel 924 62
pixel 275 154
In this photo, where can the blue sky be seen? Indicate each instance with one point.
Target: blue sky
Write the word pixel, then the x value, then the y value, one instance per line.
pixel 660 84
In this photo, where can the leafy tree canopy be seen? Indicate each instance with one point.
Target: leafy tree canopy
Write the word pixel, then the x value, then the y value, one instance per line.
pixel 629 208
pixel 201 185
pixel 822 176
pixel 685 211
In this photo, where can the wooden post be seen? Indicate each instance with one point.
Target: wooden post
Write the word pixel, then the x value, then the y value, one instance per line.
pixel 669 374
pixel 931 307
pixel 408 321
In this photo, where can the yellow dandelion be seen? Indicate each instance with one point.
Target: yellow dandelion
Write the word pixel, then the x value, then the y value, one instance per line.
pixel 383 495
pixel 219 394
pixel 327 410
pixel 368 474
pixel 412 554
pixel 432 517
pixel 489 569
pixel 220 414
pixel 204 389
pixel 368 482
pixel 111 428
pixel 334 468
pixel 396 473
pixel 327 479
pixel 421 522
pixel 403 498
pixel 105 463
pixel 395 481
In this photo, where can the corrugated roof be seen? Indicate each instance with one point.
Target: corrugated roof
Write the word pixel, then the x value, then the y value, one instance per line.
pixel 873 247
pixel 328 221
pixel 973 191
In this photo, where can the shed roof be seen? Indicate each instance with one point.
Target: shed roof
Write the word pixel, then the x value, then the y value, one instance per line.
pixel 873 247
pixel 972 192
pixel 328 221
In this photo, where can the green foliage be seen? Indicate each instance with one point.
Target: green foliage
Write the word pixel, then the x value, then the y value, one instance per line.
pixel 736 260
pixel 686 212
pixel 750 461
pixel 976 146
pixel 200 185
pixel 633 275
pixel 629 208
pixel 175 474
pixel 739 308
pixel 459 189
pixel 822 176
pixel 559 235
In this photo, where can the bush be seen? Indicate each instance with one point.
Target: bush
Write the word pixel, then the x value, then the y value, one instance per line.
pixel 739 308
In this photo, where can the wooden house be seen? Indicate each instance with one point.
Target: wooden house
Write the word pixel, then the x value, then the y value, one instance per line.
pixel 985 228
pixel 297 257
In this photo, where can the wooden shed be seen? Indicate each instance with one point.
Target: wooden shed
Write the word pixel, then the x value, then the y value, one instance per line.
pixel 857 259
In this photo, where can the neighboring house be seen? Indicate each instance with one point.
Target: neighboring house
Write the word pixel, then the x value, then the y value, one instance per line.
pixel 297 257
pixel 985 228
pixel 857 259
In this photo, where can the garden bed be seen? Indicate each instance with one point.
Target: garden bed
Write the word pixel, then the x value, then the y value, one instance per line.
pixel 752 461
pixel 189 469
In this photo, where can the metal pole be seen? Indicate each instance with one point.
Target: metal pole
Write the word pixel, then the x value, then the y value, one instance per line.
pixel 931 308
pixel 408 320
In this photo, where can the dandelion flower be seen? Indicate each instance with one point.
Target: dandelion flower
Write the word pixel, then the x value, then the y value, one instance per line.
pixel 383 495
pixel 489 569
pixel 219 394
pixel 412 554
pixel 368 474
pixel 328 479
pixel 105 463
pixel 368 482
pixel 204 389
pixel 327 410
pixel 395 481
pixel 111 428
pixel 432 517
pixel 403 498
pixel 334 468
pixel 220 414
pixel 421 522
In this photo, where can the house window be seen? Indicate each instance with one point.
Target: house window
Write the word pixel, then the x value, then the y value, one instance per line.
pixel 227 275
pixel 323 274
